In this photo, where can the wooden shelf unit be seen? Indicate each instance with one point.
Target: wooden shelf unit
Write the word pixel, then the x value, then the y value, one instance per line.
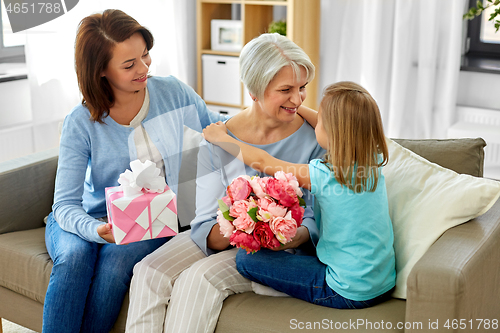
pixel 303 27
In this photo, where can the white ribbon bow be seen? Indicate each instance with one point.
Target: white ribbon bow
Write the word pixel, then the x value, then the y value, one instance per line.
pixel 143 177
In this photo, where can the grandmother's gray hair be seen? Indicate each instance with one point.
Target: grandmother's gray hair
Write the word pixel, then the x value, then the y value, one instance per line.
pixel 264 56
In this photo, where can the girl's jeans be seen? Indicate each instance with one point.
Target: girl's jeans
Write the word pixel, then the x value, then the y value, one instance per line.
pixel 88 281
pixel 300 276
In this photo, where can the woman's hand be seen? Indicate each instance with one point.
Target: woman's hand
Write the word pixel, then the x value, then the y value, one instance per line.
pixel 215 240
pixel 300 238
pixel 104 230
pixel 215 132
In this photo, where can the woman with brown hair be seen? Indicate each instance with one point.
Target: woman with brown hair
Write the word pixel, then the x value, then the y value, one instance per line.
pixel 125 115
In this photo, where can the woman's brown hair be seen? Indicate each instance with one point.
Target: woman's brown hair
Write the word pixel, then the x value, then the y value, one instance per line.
pixel 353 124
pixel 95 40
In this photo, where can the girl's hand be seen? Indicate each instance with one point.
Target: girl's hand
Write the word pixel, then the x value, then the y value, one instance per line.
pixel 104 230
pixel 300 238
pixel 215 132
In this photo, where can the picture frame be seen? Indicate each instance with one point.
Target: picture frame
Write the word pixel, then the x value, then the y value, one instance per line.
pixel 226 35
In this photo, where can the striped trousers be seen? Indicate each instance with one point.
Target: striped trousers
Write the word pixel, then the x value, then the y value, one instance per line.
pixel 177 288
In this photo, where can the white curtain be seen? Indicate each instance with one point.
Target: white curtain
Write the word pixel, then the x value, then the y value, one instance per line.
pixel 50 55
pixel 406 53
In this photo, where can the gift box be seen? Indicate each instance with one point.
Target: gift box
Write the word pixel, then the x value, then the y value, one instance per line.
pixel 139 211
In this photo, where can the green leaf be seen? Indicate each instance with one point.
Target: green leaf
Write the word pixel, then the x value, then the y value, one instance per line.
pixel 227 216
pixel 253 214
pixel 302 202
pixel 225 210
pixel 277 26
pixel 468 16
pixel 479 4
pixel 222 206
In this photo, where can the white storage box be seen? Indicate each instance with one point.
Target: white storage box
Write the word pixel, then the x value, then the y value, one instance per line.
pixel 223 109
pixel 221 79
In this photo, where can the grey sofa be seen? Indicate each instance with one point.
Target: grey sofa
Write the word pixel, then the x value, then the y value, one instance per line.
pixel 457 279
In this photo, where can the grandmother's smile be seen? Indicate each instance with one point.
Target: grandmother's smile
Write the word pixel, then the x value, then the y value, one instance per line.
pixel 290 110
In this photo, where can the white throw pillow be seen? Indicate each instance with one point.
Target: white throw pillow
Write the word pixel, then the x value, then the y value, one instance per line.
pixel 425 200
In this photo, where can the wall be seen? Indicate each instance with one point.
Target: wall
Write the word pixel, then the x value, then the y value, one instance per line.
pixel 479 90
pixel 19 134
pixel 478 106
pixel 15 103
pixel 15 120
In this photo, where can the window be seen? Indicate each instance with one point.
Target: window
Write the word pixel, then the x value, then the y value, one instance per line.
pixel 482 36
pixel 11 45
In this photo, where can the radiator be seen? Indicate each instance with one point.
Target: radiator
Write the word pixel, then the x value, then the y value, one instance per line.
pixel 28 138
pixel 483 123
pixel 16 142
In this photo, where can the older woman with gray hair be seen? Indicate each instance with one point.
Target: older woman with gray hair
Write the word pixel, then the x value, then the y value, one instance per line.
pixel 194 272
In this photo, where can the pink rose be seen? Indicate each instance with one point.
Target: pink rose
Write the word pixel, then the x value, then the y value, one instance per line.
pixel 297 213
pixel 282 191
pixel 265 235
pixel 239 208
pixel 289 197
pixel 270 211
pixel 225 226
pixel 274 188
pixel 291 180
pixel 259 186
pixel 239 189
pixel 244 223
pixel 263 214
pixel 227 201
pixel 264 202
pixel 276 209
pixel 244 241
pixel 284 228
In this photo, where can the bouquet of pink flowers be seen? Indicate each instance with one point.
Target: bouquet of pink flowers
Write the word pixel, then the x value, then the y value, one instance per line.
pixel 261 212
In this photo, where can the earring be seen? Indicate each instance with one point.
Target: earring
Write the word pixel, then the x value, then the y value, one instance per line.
pixel 255 99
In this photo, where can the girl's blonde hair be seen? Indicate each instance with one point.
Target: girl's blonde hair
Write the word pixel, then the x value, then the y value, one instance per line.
pixel 355 133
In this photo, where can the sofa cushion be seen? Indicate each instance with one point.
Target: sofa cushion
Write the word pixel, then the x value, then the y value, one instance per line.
pixel 460 155
pixel 33 177
pixel 249 312
pixel 25 263
pixel 425 200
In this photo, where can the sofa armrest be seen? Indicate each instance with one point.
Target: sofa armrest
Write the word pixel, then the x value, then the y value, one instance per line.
pixel 27 190
pixel 458 277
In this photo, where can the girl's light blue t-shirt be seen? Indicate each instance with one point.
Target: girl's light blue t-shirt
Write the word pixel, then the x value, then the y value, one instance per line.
pixel 355 236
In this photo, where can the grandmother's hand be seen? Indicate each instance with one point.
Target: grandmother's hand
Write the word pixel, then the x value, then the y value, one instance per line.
pixel 300 238
pixel 215 132
pixel 104 230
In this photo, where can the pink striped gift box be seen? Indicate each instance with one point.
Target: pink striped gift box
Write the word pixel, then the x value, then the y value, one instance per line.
pixel 143 216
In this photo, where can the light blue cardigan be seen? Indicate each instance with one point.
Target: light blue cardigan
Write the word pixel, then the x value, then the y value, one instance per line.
pixel 93 155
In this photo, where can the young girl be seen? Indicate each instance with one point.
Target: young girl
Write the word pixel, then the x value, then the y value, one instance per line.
pixel 355 263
